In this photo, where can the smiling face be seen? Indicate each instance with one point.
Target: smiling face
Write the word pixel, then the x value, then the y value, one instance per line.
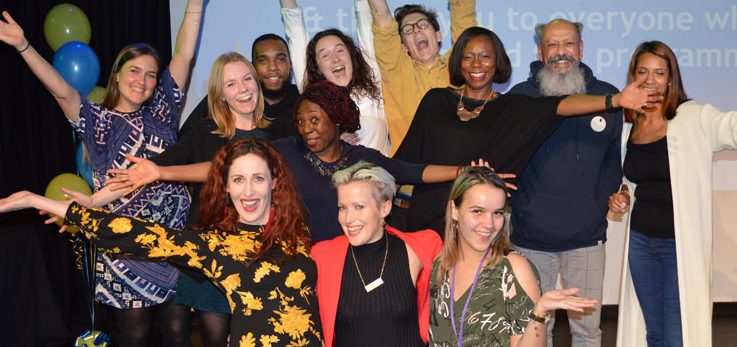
pixel 360 214
pixel 318 131
pixel 249 186
pixel 480 218
pixel 423 45
pixel 655 71
pixel 136 82
pixel 334 60
pixel 271 60
pixel 478 66
pixel 560 47
pixel 240 88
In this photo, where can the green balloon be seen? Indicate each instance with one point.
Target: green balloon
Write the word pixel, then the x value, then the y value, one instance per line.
pixel 97 95
pixel 64 23
pixel 68 181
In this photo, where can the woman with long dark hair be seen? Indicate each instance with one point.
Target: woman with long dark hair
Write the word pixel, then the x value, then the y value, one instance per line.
pixel 255 250
pixel 140 116
pixel 332 55
pixel 667 151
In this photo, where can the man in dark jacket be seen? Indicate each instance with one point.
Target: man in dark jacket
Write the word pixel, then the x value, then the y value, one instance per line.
pixel 559 212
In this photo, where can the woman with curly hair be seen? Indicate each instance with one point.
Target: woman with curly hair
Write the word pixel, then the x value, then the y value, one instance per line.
pixel 255 248
pixel 332 55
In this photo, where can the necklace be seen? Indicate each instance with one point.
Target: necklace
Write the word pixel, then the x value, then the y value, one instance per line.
pixel 459 334
pixel 325 170
pixel 466 115
pixel 377 282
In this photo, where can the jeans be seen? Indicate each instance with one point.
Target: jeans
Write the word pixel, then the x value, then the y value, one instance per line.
pixel 652 265
pixel 581 268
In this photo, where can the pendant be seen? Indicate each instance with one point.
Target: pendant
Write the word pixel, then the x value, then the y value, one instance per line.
pixel 373 285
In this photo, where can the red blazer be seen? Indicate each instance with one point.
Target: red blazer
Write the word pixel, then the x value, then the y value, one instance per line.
pixel 330 258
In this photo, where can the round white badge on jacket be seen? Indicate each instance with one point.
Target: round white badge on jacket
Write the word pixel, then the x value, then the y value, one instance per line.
pixel 598 124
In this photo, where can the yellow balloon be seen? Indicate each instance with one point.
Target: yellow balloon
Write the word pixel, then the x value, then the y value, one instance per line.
pixel 97 95
pixel 68 181
pixel 64 23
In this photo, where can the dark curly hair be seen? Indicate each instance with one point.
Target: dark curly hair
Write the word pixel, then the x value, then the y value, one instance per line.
pixel 363 81
pixel 336 102
pixel 503 65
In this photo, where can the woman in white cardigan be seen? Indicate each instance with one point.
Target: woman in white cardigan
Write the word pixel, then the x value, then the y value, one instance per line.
pixel 665 296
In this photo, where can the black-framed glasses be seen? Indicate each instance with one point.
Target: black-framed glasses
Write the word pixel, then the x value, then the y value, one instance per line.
pixel 410 27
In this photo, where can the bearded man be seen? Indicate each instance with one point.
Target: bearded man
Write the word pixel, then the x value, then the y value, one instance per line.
pixel 559 212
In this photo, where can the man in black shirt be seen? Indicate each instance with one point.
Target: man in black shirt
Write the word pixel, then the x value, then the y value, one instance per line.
pixel 270 57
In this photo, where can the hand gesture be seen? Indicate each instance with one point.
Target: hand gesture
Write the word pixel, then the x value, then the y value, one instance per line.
pixel 351 138
pixel 504 176
pixel 141 173
pixel 635 98
pixel 11 33
pixel 620 201
pixel 563 299
pixel 17 201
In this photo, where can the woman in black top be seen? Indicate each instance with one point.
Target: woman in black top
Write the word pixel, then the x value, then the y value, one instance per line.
pixel 255 250
pixel 455 125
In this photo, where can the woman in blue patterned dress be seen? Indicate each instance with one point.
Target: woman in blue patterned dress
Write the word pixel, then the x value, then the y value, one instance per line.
pixel 140 116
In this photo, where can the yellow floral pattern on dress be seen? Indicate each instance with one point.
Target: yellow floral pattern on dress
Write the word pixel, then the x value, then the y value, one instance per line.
pixel 121 225
pixel 264 270
pixel 295 278
pixel 267 340
pixel 247 340
pixel 271 296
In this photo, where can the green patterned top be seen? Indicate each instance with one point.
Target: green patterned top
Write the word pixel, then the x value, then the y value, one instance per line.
pixel 498 309
pixel 272 298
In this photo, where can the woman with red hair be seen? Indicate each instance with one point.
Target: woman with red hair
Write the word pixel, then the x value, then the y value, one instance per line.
pixel 255 250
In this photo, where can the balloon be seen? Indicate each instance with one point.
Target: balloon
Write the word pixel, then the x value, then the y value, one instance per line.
pixel 65 23
pixel 97 94
pixel 83 166
pixel 77 63
pixel 68 181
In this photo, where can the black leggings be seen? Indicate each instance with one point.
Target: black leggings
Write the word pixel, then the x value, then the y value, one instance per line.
pixel 214 328
pixel 134 325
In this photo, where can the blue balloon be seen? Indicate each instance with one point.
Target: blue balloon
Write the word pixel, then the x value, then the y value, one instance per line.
pixel 83 166
pixel 77 63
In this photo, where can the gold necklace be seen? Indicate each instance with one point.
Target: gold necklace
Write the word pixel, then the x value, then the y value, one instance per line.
pixel 466 115
pixel 379 281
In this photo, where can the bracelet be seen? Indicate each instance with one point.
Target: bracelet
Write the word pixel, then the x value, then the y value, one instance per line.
pixel 608 102
pixel 28 44
pixel 537 318
pixel 192 11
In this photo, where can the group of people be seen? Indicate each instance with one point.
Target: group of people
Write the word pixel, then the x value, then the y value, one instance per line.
pixel 284 239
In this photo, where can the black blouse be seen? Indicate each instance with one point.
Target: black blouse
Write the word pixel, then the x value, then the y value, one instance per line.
pixel 647 165
pixel 386 316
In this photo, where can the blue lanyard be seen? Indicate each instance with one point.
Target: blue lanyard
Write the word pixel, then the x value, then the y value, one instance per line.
pixel 468 299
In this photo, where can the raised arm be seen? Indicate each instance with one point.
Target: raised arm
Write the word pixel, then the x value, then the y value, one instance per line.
pixel 366 36
pixel 186 42
pixel 462 16
pixel 381 13
pixel 296 31
pixel 66 96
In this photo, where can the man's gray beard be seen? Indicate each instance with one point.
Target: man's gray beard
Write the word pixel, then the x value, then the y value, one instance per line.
pixel 554 84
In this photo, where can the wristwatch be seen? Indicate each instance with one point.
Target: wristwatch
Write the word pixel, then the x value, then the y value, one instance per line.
pixel 539 319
